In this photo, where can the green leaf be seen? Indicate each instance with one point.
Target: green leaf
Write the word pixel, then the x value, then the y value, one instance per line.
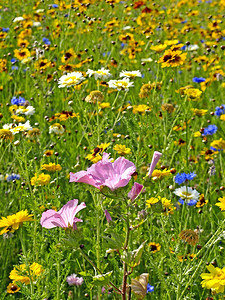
pixel 102 279
pixel 132 258
pixel 116 241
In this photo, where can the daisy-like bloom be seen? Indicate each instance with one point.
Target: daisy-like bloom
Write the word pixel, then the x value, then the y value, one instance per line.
pixel 152 201
pixel 130 74
pixel 18 19
pixel 160 174
pixel 95 155
pixel 6 134
pixel 189 236
pixel 186 257
pixel 48 153
pixel 193 94
pixel 18 128
pixel 52 167
pixel 39 180
pixel 74 280
pixel 70 79
pixel 105 173
pixel 64 218
pixel 216 145
pixel 13 222
pixel 199 112
pixel 214 280
pixel 154 247
pixel 172 58
pixel 121 149
pixel 22 53
pixel 28 111
pixel 20 273
pixel 122 84
pixel 101 74
pixel 188 194
pixel 158 48
pixel 31 134
pixel 94 96
pixel 221 204
pixel 141 109
pixel 12 288
pixel 56 128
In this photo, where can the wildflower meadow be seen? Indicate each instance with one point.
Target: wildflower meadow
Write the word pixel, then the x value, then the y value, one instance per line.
pixel 112 149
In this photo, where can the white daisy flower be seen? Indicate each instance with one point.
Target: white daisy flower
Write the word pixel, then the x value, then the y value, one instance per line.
pixel 122 84
pixel 187 193
pixel 192 47
pixel 70 79
pixel 56 128
pixel 102 74
pixel 21 127
pixel 28 111
pixel 18 19
pixel 130 74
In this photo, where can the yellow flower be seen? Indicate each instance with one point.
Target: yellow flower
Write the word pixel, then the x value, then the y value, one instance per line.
pixel 22 53
pixel 221 204
pixel 199 112
pixel 52 167
pixel 214 280
pixel 95 156
pixel 6 134
pixel 222 117
pixel 154 247
pixel 152 201
pixel 218 144
pixel 18 119
pixel 42 179
pixel 172 58
pixel 21 274
pixel 201 201
pixel 158 48
pixel 121 149
pixel 13 222
pixel 186 257
pixel 104 105
pixel 48 153
pixel 168 107
pixel 193 94
pixel 158 174
pixel 197 134
pixel 12 288
pixel 141 109
pixel 94 96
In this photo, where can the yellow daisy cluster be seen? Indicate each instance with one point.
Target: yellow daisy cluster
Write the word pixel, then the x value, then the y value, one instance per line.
pixel 13 222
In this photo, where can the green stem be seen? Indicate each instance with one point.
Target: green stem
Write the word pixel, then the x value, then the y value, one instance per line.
pixel 26 261
pixel 125 274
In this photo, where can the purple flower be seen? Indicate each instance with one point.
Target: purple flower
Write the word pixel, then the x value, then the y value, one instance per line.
pixel 210 130
pixel 105 173
pixel 74 280
pixel 198 79
pixel 64 218
pixel 155 159
pixel 150 288
pixel 135 191
pixel 108 217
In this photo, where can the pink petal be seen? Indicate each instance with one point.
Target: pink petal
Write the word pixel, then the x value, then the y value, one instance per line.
pixel 135 191
pixel 50 219
pixel 69 210
pixel 155 159
pixel 82 176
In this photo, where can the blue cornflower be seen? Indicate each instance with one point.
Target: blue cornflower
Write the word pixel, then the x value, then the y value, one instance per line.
pixel 5 29
pixel 189 202
pixel 220 110
pixel 14 68
pixel 13 60
pixel 18 101
pixel 210 130
pixel 150 288
pixel 55 6
pixel 181 178
pixel 12 177
pixel 183 48
pixel 198 79
pixel 46 41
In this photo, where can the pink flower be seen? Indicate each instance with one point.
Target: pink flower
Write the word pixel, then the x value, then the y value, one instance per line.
pixel 155 159
pixel 107 215
pixel 64 218
pixel 105 173
pixel 135 191
pixel 74 280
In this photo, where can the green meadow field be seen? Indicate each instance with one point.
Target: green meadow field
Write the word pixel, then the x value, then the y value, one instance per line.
pixel 112 149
